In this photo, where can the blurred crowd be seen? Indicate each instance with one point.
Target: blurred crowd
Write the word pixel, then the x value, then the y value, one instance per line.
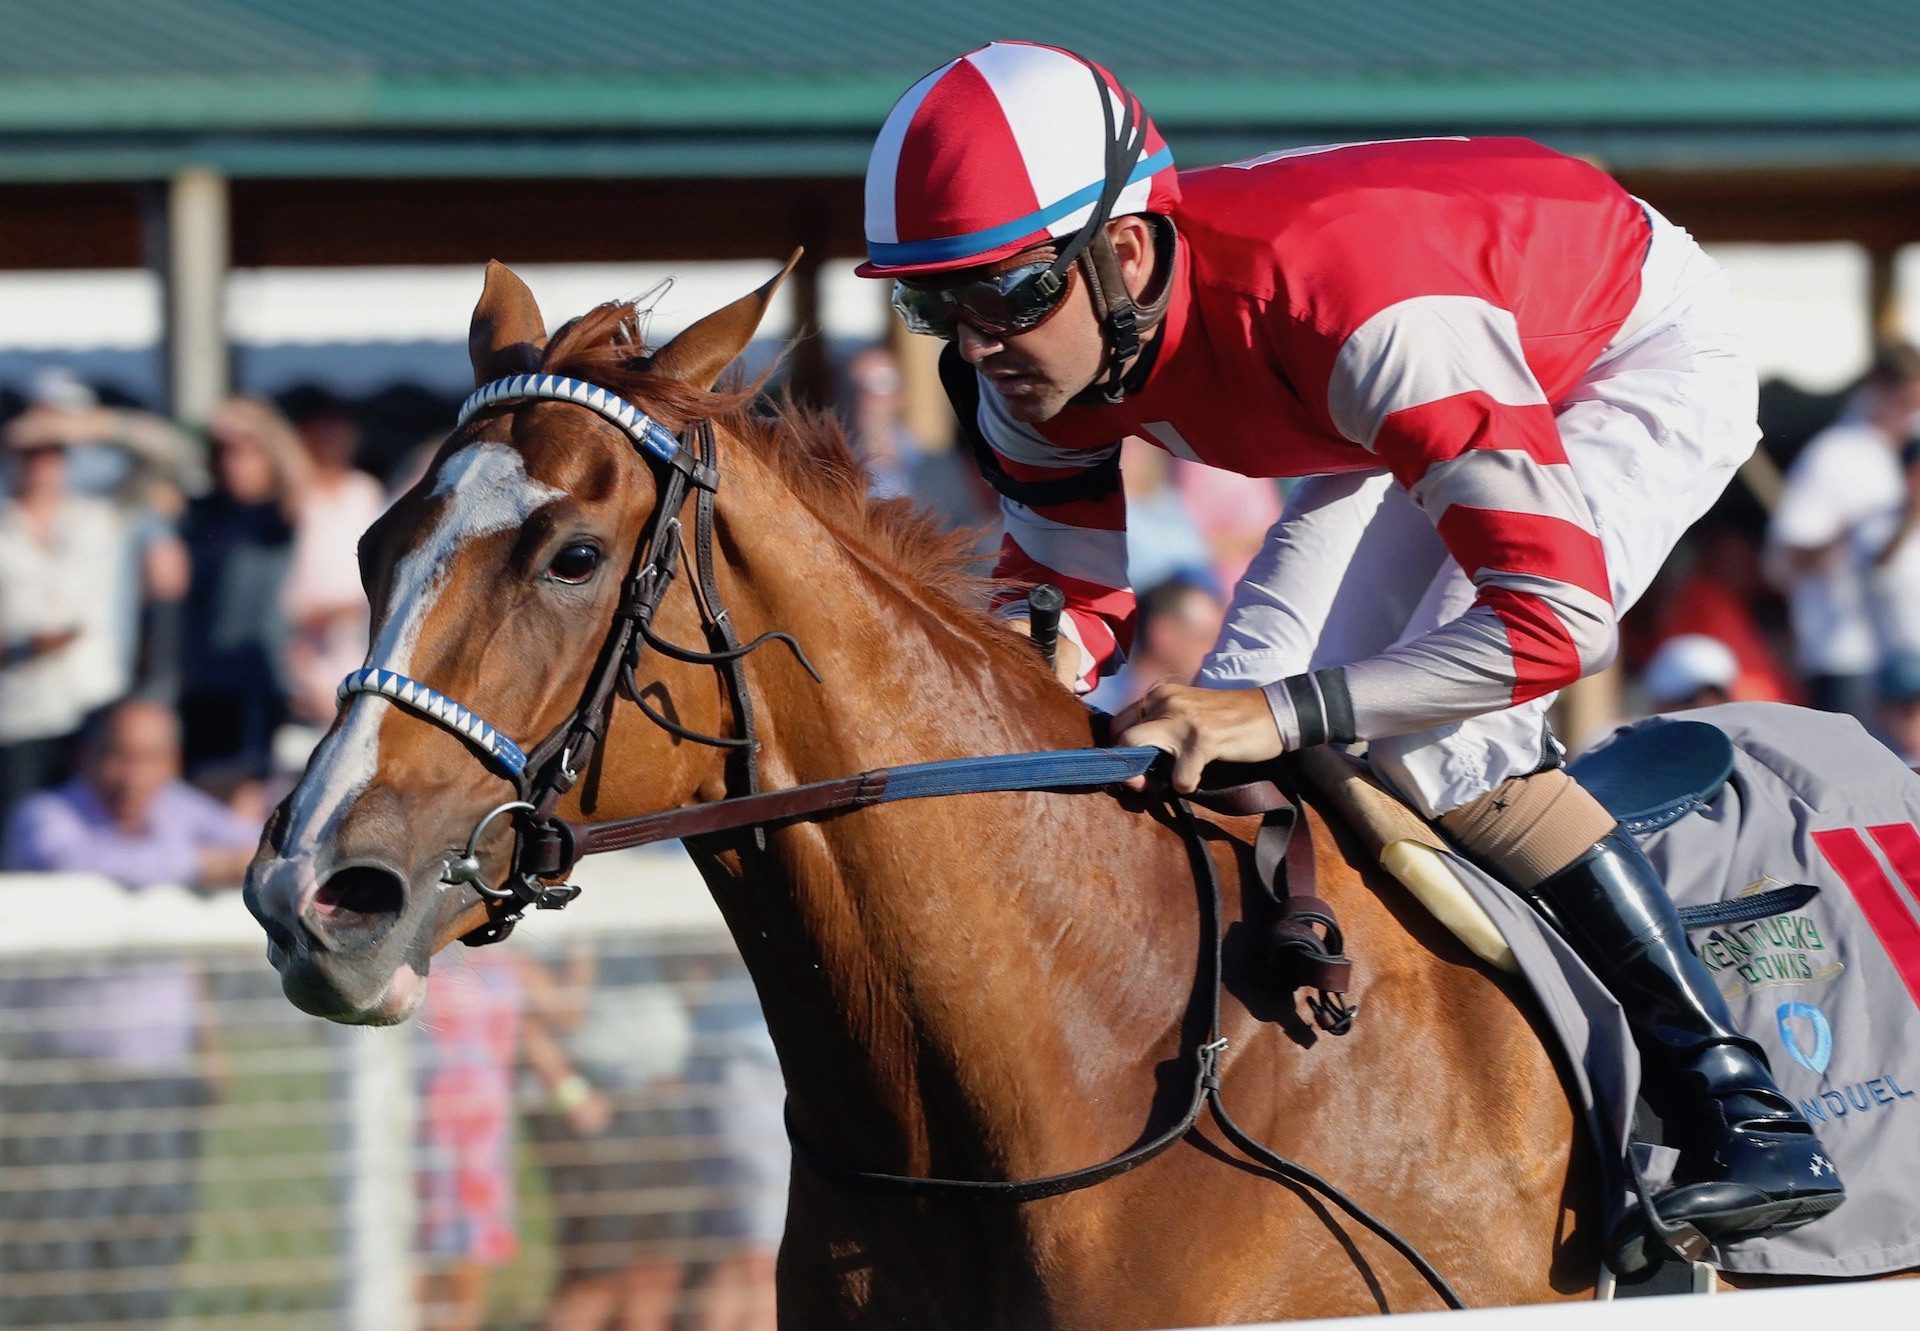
pixel 212 576
pixel 177 607
pixel 1815 598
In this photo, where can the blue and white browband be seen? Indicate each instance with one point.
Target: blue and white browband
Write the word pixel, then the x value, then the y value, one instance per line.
pixel 437 707
pixel 647 434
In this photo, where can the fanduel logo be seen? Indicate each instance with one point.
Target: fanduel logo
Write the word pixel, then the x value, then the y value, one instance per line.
pixel 1856 1098
pixel 1816 1053
pixel 1807 1036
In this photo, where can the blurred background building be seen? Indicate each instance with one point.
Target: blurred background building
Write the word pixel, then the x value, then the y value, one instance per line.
pixel 239 243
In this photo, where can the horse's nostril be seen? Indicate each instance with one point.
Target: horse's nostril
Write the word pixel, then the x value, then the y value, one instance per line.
pixel 362 894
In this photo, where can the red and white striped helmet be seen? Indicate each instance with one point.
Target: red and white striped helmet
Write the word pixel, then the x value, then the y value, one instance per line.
pixel 997 151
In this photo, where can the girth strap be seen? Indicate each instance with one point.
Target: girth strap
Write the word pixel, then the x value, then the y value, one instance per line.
pixel 1306 937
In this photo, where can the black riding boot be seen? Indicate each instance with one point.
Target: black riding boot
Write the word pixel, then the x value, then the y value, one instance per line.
pixel 1749 1161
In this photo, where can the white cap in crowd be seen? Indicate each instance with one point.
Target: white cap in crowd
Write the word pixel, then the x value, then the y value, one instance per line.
pixel 1687 663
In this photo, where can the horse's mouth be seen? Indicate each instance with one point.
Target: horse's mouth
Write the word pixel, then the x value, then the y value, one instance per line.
pixel 316 983
pixel 346 955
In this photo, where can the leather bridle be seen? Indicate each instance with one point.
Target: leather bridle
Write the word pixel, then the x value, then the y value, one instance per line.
pixel 546 847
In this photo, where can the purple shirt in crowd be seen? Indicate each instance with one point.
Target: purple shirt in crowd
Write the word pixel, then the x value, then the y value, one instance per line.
pixel 67 831
pixel 143 1014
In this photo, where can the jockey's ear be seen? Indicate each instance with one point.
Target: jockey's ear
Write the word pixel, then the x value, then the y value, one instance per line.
pixel 507 334
pixel 700 353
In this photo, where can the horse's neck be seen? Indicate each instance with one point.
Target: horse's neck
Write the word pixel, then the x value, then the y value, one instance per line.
pixel 908 956
pixel 905 674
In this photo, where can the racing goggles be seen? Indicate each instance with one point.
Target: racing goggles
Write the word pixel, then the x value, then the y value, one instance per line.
pixel 1018 300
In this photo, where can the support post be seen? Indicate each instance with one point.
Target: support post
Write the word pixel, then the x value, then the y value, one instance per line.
pixel 923 402
pixel 379 1202
pixel 1883 296
pixel 192 255
pixel 811 377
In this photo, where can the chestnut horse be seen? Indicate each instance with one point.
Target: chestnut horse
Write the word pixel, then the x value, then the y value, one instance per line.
pixel 990 986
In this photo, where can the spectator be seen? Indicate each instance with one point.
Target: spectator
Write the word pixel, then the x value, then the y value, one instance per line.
pixel 138 1032
pixel 610 1046
pixel 132 457
pixel 1899 726
pixel 239 542
pixel 1175 625
pixel 1716 597
pixel 1163 540
pixel 1690 670
pixel 1894 579
pixel 881 440
pixel 145 466
pixel 901 465
pixel 323 600
pixel 735 1058
pixel 469 1034
pixel 1845 482
pixel 61 570
pixel 1233 513
pixel 128 815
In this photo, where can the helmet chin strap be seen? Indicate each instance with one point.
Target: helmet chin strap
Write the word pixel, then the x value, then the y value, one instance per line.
pixel 1121 321
pixel 1124 321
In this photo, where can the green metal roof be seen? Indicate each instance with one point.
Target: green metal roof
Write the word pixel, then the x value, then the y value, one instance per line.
pixel 317 87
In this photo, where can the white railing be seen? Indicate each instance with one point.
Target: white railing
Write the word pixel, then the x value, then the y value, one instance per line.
pixel 1881 1304
pixel 274 1177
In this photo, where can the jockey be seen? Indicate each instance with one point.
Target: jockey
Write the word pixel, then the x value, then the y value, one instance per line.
pixel 1511 386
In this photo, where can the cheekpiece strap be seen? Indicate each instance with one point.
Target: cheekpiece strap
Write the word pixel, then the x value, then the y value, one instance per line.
pixel 440 709
pixel 648 435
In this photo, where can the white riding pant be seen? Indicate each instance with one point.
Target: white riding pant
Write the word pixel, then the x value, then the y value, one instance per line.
pixel 1654 432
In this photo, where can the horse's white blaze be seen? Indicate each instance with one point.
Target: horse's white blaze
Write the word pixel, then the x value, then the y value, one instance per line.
pixel 487 489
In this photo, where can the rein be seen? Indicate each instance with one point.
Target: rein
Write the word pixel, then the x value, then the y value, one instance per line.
pixel 548 847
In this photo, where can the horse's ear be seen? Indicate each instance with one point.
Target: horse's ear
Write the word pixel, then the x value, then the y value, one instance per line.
pixel 507 335
pixel 700 353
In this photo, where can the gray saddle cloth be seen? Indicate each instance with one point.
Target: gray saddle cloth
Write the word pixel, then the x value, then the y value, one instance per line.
pixel 1831 990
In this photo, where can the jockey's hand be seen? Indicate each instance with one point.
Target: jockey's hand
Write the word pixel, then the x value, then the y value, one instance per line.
pixel 1067 666
pixel 1199 726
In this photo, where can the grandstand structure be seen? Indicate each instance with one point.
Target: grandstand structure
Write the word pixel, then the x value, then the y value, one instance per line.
pixel 192 136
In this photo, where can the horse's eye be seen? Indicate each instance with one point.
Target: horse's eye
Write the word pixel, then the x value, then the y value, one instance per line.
pixel 575 564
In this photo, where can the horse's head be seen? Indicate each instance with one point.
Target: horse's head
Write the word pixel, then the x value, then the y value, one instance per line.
pixel 495 582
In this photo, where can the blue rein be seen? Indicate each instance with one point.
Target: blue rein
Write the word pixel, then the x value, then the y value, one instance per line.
pixel 1058 769
pixel 1071 769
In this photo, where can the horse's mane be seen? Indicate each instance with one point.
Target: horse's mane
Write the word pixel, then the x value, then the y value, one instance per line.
pixel 807 448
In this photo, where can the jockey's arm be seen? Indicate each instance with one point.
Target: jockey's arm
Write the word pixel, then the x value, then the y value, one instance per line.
pixel 1494 479
pixel 1469 434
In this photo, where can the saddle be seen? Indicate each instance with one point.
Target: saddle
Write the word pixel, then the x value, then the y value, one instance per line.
pixel 1647 778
